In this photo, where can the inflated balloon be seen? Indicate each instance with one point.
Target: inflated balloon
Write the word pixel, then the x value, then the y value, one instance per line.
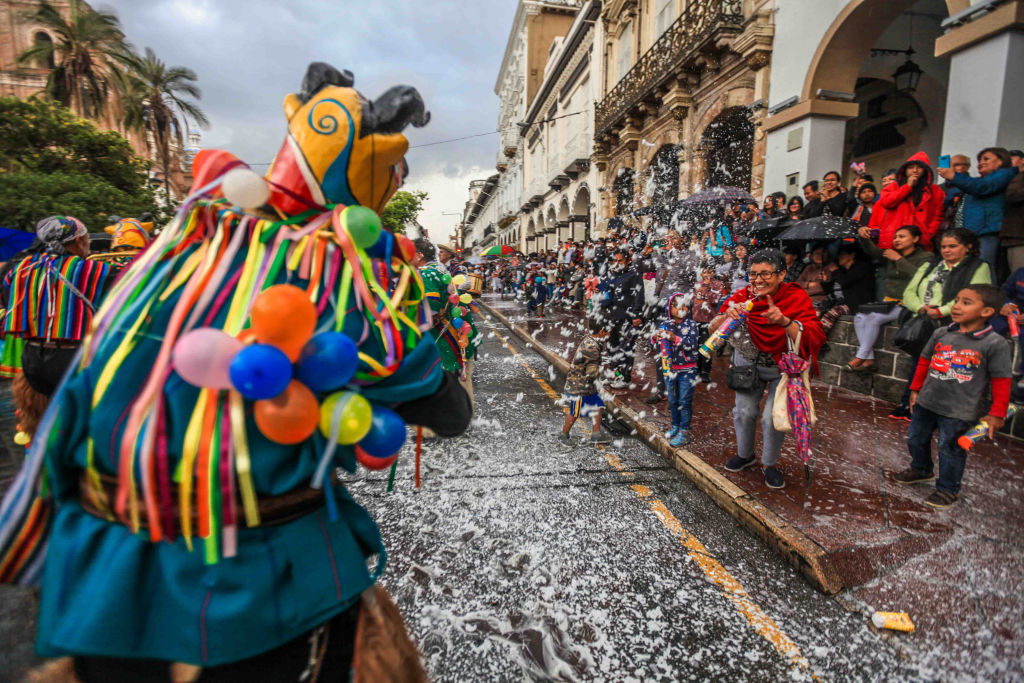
pixel 458 311
pixel 379 249
pixel 245 188
pixel 283 316
pixel 466 298
pixel 363 225
pixel 458 323
pixel 260 371
pixel 386 435
pixel 373 463
pixel 453 299
pixel 289 418
pixel 352 414
pixel 446 278
pixel 406 246
pixel 328 362
pixel 459 280
pixel 203 357
pixel 22 438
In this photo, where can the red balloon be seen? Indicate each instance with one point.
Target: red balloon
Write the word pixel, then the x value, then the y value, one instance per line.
pixel 283 316
pixel 406 247
pixel 371 463
pixel 290 417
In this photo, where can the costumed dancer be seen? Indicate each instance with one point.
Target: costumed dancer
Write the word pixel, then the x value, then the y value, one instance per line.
pixel 272 333
pixel 456 341
pixel 129 237
pixel 52 296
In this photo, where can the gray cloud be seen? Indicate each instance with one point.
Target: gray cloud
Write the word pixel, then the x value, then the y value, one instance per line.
pixel 249 54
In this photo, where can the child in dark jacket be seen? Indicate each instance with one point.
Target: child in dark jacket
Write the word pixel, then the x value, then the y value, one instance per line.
pixel 678 339
pixel 536 296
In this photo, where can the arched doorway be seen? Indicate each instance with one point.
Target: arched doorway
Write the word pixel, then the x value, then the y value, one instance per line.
pixel 891 126
pixel 728 147
pixel 581 215
pixel 623 192
pixel 563 230
pixel 550 229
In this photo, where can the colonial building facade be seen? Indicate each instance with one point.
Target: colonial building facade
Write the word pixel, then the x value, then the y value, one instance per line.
pixel 764 95
pixel 19 33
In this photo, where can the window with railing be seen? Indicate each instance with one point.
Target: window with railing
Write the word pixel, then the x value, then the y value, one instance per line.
pixel 664 16
pixel 624 51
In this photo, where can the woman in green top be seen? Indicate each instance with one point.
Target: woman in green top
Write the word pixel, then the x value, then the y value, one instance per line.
pixel 935 285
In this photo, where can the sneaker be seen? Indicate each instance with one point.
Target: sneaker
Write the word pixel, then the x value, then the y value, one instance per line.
pixel 564 441
pixel 912 476
pixel 654 398
pixel 600 438
pixel 737 464
pixel 681 439
pixel 672 433
pixel 900 414
pixel 619 384
pixel 773 478
pixel 942 499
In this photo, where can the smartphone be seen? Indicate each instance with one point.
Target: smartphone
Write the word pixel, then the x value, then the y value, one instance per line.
pixel 944 161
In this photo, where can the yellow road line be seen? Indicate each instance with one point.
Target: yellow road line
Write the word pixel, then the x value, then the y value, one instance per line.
pixel 728 584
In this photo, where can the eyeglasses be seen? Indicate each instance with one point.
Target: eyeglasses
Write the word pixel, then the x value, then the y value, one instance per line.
pixel 762 275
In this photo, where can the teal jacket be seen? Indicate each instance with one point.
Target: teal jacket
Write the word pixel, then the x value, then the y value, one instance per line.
pixel 107 591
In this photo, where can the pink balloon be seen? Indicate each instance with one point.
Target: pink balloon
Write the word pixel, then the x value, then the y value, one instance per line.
pixel 202 357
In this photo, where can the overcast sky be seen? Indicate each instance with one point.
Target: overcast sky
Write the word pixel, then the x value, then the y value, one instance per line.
pixel 249 54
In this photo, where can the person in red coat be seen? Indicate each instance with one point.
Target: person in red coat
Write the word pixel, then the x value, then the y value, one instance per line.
pixel 914 199
pixel 782 313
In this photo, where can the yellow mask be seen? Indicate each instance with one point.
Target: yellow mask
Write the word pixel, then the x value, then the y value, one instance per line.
pixel 342 148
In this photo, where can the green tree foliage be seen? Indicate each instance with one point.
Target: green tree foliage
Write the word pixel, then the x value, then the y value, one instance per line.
pixel 87 53
pixel 402 210
pixel 158 99
pixel 53 162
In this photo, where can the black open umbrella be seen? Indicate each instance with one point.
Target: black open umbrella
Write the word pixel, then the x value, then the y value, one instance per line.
pixel 765 232
pixel 820 229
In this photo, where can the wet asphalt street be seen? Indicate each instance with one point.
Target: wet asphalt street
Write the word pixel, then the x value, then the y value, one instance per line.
pixel 517 560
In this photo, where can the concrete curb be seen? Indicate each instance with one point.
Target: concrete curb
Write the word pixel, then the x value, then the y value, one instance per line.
pixel 806 556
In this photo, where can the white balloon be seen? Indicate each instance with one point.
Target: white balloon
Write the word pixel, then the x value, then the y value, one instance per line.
pixel 245 188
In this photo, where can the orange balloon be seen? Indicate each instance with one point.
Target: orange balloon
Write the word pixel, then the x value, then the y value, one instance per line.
pixel 283 316
pixel 290 417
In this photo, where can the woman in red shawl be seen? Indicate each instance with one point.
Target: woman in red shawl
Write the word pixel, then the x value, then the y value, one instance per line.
pixel 782 312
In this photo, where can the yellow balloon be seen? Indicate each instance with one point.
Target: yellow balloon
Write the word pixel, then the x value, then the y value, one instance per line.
pixel 22 439
pixel 350 411
pixel 459 280
pixel 466 298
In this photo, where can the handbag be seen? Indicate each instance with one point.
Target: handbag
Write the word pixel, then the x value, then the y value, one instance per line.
pixel 914 334
pixel 744 378
pixel 780 405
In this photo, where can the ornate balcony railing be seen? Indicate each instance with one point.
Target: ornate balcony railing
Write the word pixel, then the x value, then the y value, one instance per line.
pixel 692 30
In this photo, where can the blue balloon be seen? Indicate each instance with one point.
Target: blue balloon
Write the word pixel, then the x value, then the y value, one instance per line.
pixel 328 362
pixel 383 247
pixel 386 435
pixel 260 371
pixel 457 323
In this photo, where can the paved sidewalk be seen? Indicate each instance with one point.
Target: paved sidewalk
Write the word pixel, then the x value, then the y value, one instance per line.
pixel 958 572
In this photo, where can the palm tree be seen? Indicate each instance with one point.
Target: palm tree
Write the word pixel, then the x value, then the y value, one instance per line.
pixel 88 48
pixel 156 100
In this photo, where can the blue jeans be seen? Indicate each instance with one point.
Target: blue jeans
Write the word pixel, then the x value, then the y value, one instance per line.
pixel 989 247
pixel 679 388
pixel 952 458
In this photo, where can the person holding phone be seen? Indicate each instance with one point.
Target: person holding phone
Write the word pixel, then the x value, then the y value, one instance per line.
pixel 914 199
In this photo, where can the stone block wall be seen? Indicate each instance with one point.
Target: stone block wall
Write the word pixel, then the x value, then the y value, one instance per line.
pixel 892 368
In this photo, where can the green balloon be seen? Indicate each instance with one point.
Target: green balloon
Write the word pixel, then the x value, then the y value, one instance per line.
pixel 458 312
pixel 363 225
pixel 446 278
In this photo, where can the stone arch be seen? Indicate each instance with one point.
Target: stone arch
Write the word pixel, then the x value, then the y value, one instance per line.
pixel 40 37
pixel 727 144
pixel 847 43
pixel 623 191
pixel 581 218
